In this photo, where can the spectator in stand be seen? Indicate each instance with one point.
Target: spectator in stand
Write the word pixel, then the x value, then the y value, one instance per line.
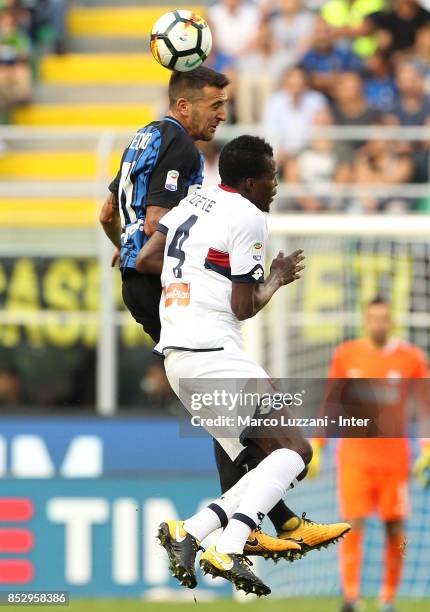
pixel 419 54
pixel 396 29
pixel 257 73
pixel 348 17
pixel 289 114
pixel 15 72
pixel 350 105
pixel 291 29
pixel 325 60
pixel 47 23
pixel 412 107
pixel 379 163
pixel 58 23
pixel 221 62
pixel 319 165
pixel 380 87
pixel 234 25
pixel 400 25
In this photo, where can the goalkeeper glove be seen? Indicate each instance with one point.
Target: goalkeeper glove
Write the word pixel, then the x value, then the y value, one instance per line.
pixel 422 467
pixel 314 467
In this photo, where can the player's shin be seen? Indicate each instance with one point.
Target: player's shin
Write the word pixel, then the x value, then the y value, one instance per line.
pixel 218 513
pixel 269 482
pixel 393 566
pixel 350 557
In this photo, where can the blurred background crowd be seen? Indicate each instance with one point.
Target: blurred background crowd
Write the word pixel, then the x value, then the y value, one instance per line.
pixel 296 65
pixel 27 29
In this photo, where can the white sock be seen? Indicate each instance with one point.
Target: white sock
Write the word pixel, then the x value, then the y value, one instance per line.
pixel 219 512
pixel 269 482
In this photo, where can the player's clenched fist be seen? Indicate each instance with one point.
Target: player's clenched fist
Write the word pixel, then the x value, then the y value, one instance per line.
pixel 287 269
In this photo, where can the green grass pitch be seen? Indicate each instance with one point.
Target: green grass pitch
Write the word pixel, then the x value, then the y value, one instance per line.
pixel 224 605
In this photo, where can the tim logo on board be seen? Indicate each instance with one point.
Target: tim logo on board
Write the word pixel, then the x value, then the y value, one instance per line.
pixel 95 537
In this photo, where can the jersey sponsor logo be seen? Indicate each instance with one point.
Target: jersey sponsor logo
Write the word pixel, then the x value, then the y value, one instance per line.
pixel 172 180
pixel 177 293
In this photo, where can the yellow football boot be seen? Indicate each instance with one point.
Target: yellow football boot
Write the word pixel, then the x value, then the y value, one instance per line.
pixel 263 545
pixel 312 535
pixel 235 568
pixel 181 548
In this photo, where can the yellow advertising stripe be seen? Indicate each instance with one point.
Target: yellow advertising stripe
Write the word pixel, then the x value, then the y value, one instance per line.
pixel 105 115
pixel 42 165
pixel 103 68
pixel 48 212
pixel 120 22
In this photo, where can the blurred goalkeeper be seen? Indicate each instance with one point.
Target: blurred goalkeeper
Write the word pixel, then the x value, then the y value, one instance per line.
pixel 373 473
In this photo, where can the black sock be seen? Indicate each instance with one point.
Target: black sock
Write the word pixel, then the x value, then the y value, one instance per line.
pixel 279 514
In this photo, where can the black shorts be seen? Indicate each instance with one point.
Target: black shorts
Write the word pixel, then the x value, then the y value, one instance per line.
pixel 141 294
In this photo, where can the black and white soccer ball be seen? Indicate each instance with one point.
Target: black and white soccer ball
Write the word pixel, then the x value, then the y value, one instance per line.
pixel 181 40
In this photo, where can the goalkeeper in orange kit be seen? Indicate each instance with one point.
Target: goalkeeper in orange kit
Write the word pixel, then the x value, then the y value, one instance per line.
pixel 373 473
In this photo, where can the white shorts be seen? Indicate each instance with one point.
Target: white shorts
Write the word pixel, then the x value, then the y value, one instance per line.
pixel 188 372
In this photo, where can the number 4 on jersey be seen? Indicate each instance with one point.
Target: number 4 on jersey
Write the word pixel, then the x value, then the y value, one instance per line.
pixel 177 243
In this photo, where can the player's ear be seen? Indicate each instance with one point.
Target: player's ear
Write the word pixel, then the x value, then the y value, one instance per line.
pixel 249 183
pixel 183 106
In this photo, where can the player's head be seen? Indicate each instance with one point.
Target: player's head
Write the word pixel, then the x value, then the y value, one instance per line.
pixel 198 100
pixel 246 164
pixel 378 320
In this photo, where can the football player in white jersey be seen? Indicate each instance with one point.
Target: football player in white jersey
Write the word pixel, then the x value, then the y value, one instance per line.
pixel 213 278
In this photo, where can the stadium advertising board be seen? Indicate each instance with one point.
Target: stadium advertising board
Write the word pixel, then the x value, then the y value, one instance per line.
pixel 92 448
pixel 76 514
pixel 94 537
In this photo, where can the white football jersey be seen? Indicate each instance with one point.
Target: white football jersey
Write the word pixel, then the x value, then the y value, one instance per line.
pixel 213 237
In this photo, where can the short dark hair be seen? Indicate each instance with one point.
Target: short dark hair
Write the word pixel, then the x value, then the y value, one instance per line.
pixel 379 300
pixel 186 84
pixel 242 158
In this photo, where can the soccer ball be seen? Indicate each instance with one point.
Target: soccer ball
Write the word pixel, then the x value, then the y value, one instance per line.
pixel 181 40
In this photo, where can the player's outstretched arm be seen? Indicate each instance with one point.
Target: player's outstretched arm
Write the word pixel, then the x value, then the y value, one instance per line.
pixel 110 221
pixel 249 298
pixel 150 257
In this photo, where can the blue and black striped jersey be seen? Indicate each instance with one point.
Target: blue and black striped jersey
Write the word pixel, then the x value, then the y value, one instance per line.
pixel 159 167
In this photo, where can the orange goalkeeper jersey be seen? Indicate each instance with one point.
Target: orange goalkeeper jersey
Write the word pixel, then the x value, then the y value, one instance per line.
pixel 397 360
